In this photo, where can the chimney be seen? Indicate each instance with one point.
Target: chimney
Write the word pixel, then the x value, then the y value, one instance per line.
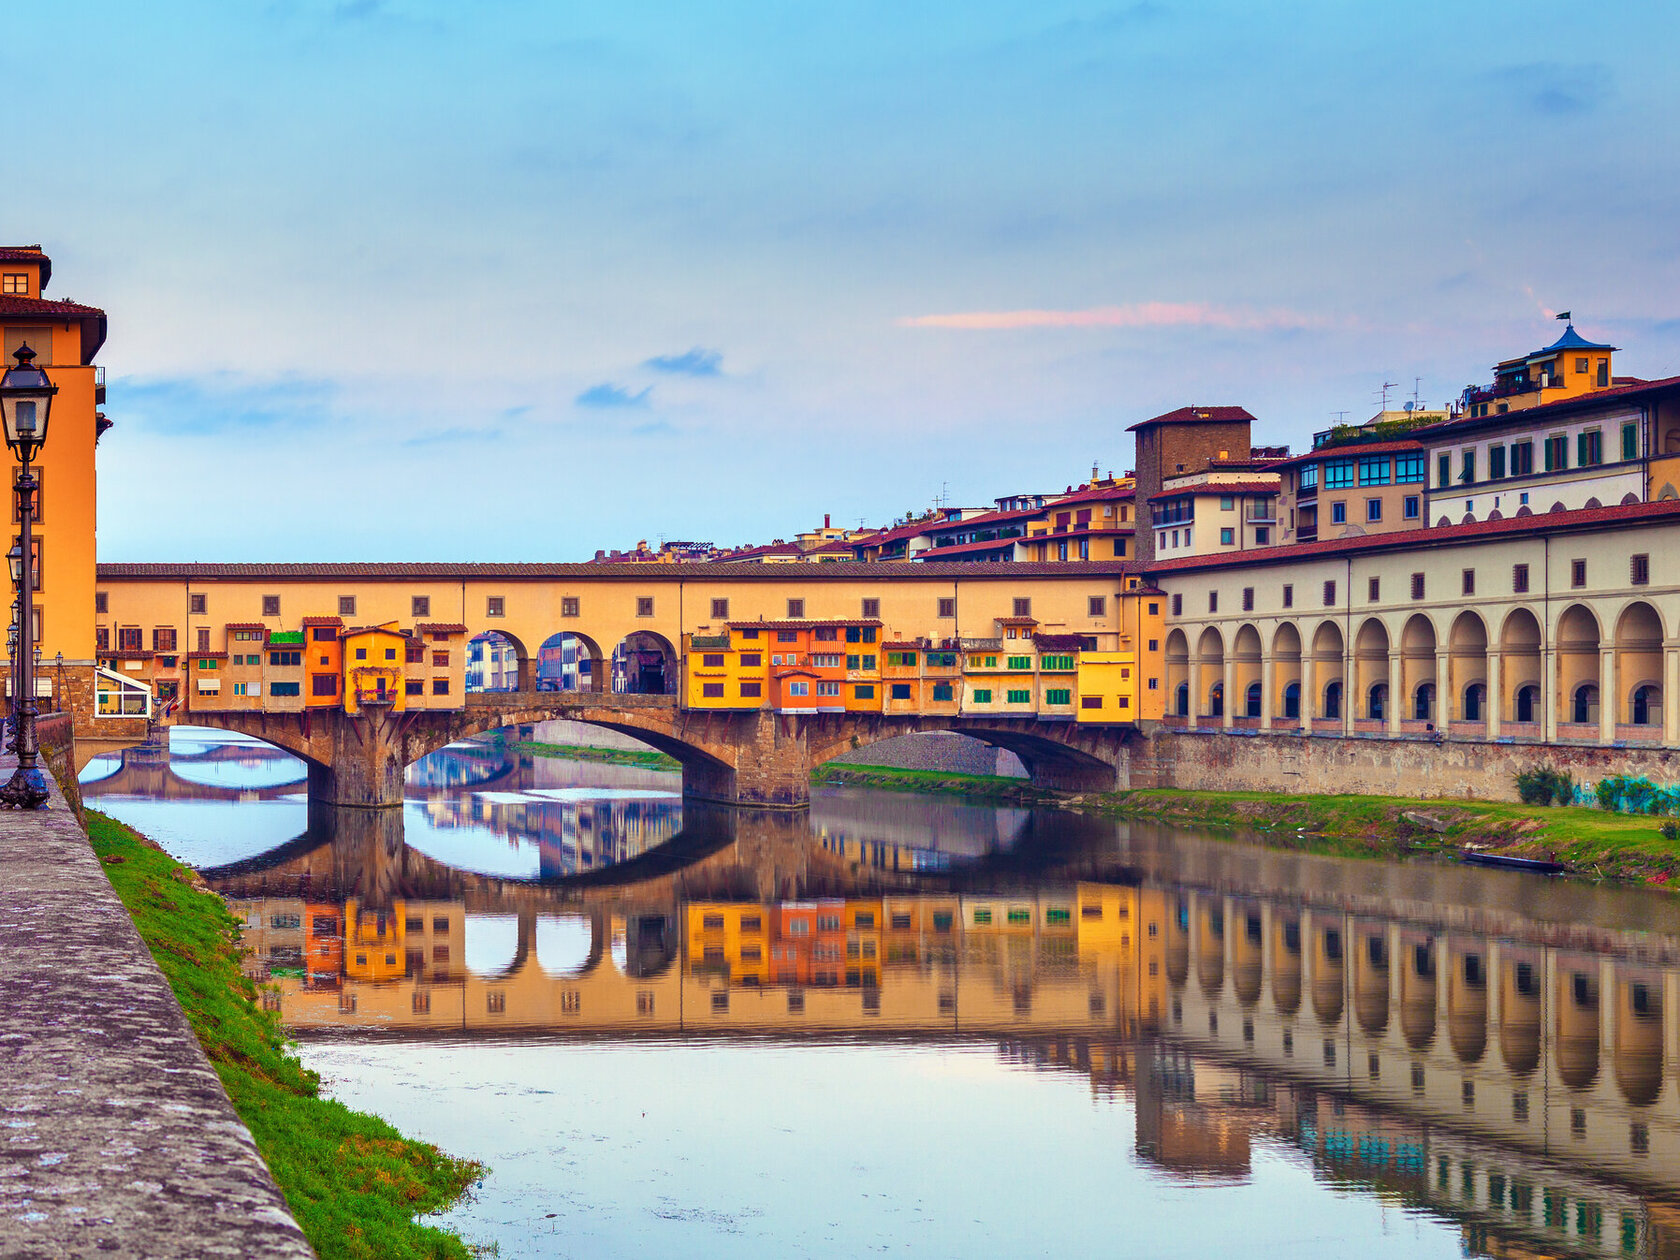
pixel 825 520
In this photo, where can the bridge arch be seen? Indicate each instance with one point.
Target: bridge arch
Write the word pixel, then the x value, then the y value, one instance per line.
pixel 570 660
pixel 645 663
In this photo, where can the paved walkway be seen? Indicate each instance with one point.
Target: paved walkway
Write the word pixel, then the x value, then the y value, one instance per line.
pixel 115 1136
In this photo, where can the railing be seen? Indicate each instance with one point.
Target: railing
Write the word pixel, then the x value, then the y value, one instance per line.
pixel 99 384
pixel 1508 390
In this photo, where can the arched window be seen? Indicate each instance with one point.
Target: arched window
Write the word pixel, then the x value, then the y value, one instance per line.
pixel 1376 703
pixel 1333 699
pixel 1216 700
pixel 1528 700
pixel 1586 703
pixel 1647 705
pixel 1423 702
pixel 1292 701
pixel 1252 701
pixel 1182 700
pixel 1474 695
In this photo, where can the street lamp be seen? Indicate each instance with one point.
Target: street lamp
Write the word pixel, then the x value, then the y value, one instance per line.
pixel 25 407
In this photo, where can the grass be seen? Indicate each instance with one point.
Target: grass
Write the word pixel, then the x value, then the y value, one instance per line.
pixel 352 1181
pixel 1589 841
pixel 646 758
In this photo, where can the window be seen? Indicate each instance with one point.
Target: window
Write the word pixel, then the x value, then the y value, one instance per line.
pixel 271 606
pixel 787 636
pixel 1639 572
pixel 1373 589
pixel 941 691
pixel 440 660
pixel 982 695
pixel 1467 473
pixel 163 640
pixel 1178 605
pixel 1417 586
pixel 901 691
pixel 752 660
pixel 1374 471
pixel 1519 578
pixel 1413 507
pixel 901 658
pixel 871 610
pixel 1496 463
pixel 1248 599
pixel 1338 513
pixel 826 634
pixel 102 639
pixel 863 691
pixel 1020 662
pixel 495 606
pixel 418 605
pixel 796 609
pixel 284 689
pixel 1589 448
pixel 1630 441
pixel 1557 453
pixel 323 685
pixel 1227 536
pixel 1577 573
pixel 1288 600
pixel 1329 594
pixel 1058 695
pixel 644 606
pixel 1023 607
pixel 1061 663
pixel 1213 601
pixel 1018 697
pixel 203 638
pixel 712 691
pixel 1338 474
pixel 346 605
pixel 1522 459
pixel 285 658
pixel 1469 581
pixel 361 654
pixel 102 602
pixel 390 654
pixel 16 282
pixel 828 689
pixel 947 607
pixel 1373 509
pixel 1309 477
pixel 414 654
pixel 324 634
pixel 1408 467
pixel 1090 702
pixel 711 660
pixel 799 689
pixel 413 686
pixel 1096 606
pixel 1443 471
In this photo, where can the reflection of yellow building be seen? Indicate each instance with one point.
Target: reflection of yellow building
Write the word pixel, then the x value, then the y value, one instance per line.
pixel 731 938
pixel 373 943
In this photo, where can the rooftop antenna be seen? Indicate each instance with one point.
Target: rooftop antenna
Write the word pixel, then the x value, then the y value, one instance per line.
pixel 1386 386
pixel 1341 416
pixel 1417 387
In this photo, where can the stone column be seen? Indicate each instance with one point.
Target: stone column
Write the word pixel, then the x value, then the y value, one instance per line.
pixel 1495 693
pixel 1671 694
pixel 1396 690
pixel 1268 690
pixel 1607 706
pixel 1194 678
pixel 1229 682
pixel 1309 690
pixel 1445 689
pixel 1350 689
pixel 1548 694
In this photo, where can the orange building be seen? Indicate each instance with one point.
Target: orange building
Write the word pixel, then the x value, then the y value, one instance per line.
pixel 323 661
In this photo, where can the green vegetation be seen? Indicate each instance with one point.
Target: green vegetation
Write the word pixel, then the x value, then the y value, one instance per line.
pixel 353 1182
pixel 1545 785
pixel 646 758
pixel 1592 842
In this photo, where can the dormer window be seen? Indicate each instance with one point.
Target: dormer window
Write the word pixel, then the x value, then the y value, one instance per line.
pixel 1580 367
pixel 15 282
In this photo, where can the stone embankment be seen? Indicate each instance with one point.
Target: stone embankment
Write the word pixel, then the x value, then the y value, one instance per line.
pixel 116 1137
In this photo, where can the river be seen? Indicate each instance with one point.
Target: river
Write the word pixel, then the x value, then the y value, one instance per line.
pixel 908 1025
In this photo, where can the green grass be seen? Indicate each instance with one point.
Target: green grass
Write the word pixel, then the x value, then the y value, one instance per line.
pixel 352 1181
pixel 646 758
pixel 1590 841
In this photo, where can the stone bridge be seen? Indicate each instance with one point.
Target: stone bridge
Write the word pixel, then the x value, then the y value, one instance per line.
pixel 757 758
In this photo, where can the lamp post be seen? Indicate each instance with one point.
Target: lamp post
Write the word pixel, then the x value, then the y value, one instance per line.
pixel 25 404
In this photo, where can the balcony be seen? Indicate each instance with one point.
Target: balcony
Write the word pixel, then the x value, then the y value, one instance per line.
pixel 1507 389
pixel 99 385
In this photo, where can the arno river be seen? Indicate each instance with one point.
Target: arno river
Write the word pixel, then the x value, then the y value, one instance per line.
pixel 904 1025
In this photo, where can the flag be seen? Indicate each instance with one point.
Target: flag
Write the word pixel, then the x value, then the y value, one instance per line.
pixel 1563 315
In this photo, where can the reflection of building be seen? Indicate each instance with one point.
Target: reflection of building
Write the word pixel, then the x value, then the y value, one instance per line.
pixel 492 664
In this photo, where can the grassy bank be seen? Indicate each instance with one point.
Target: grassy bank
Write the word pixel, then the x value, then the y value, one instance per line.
pixel 647 759
pixel 352 1181
pixel 1591 842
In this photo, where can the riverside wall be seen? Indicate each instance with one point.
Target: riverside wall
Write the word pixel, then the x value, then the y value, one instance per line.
pixel 1363 766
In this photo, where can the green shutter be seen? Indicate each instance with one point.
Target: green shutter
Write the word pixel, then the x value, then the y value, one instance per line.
pixel 1630 441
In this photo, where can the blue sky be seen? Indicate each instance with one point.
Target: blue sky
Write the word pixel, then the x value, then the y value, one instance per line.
pixel 394 280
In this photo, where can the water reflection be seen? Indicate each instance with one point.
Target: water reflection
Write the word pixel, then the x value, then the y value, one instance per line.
pixel 1499 1053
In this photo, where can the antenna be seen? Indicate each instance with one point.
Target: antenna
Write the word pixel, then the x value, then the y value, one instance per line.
pixel 1341 416
pixel 1417 387
pixel 1386 386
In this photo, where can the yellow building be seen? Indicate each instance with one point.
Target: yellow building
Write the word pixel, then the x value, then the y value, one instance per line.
pixel 725 670
pixel 374 660
pixel 1568 368
pixel 373 943
pixel 729 938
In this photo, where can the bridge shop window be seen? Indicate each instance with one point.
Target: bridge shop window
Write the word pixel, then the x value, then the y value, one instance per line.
pixel 414 654
pixel 751 690
pixel 644 606
pixel 271 605
pixel 324 634
pixel 720 610
pixel 284 689
pixel 163 639
pixel 285 658
pixel 872 610
pixel 440 686
pixel 569 606
pixel 414 686
pixel 495 606
pixel 324 685
pixel 863 691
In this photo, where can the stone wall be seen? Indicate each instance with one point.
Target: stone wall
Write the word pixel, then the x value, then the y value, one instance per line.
pixel 56 734
pixel 1376 767
pixel 946 752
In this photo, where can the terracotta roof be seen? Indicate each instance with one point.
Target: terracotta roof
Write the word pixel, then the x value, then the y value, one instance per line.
pixel 440 627
pixel 1059 642
pixel 985 518
pixel 1582 403
pixel 28 254
pixel 245 625
pixel 721 571
pixel 1219 487
pixel 206 656
pixel 901 531
pixel 91 318
pixel 1196 415
pixel 968 549
pixel 1351 450
pixel 1103 495
pixel 1016 621
pixel 323 621
pixel 800 624
pixel 136 654
pixel 1538 523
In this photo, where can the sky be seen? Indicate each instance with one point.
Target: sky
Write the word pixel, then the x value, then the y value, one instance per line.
pixel 404 280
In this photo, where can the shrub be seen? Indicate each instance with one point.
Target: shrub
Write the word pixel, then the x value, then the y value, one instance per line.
pixel 1670 829
pixel 1546 785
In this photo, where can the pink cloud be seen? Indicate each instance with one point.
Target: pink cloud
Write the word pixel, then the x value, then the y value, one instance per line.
pixel 1132 315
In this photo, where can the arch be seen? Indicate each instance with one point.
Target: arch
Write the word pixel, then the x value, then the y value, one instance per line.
pixel 1576 1005
pixel 1329 665
pixel 1181 700
pixel 569 660
pixel 1578 644
pixel 1629 497
pixel 1208 689
pixel 645 663
pixel 1286 965
pixel 1417 994
pixel 1638 645
pixel 1467 645
pixel 1473 703
pixel 1247 949
pixel 1177 658
pixel 491 943
pixel 1370 979
pixel 1418 641
pixel 1216 700
pixel 1376 701
pixel 1292 701
pixel 497 661
pixel 1592 502
pixel 1423 702
pixel 1556 507
pixel 1525 510
pixel 1332 702
pixel 1467 1002
pixel 1638 1052
pixel 1329 976
pixel 568 944
pixel 1370 664
pixel 1667 492
pixel 1245 671
pixel 1252 700
pixel 1519 1010
pixel 1520 669
pixel 1286 671
pixel 1210 949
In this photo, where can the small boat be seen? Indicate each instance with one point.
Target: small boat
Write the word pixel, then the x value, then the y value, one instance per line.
pixel 1534 866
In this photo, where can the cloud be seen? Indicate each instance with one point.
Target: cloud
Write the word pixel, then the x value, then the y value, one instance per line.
pixel 607 394
pixel 1132 315
pixel 1554 89
pixel 653 428
pixel 442 437
pixel 696 362
pixel 224 402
